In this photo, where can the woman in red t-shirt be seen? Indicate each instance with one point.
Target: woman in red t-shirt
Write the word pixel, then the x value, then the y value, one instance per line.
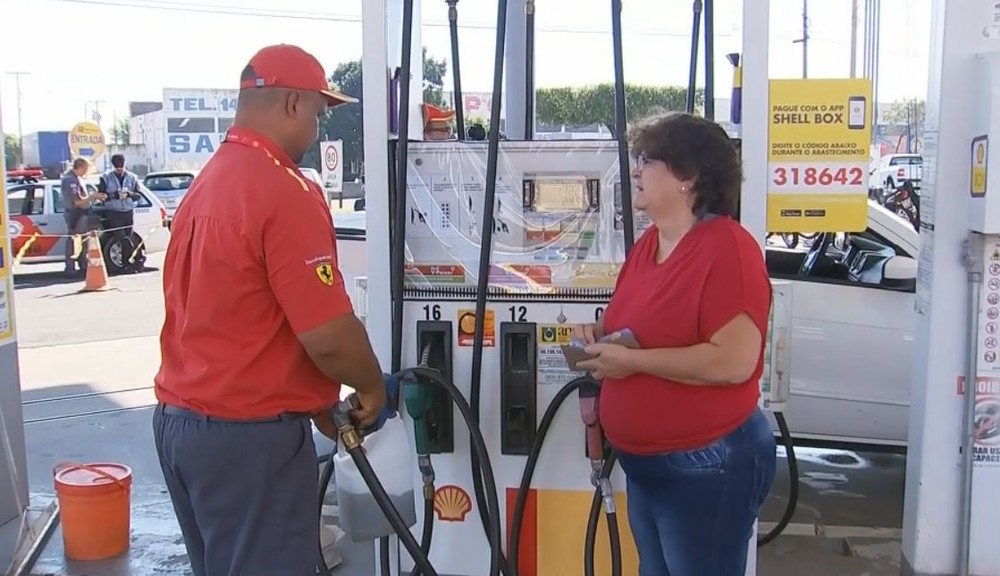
pixel 681 411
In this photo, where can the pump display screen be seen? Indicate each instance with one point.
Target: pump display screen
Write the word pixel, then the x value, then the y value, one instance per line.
pixel 552 217
pixel 561 196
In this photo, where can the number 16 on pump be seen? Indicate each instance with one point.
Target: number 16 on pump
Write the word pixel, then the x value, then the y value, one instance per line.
pixel 818 140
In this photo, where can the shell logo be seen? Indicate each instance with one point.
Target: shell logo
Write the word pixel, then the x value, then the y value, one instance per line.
pixel 452 503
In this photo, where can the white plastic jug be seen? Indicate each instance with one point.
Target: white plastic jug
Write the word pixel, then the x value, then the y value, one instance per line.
pixel 391 455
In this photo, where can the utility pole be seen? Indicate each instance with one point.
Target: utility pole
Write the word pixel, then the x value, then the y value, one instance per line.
pixel 805 39
pixel 96 117
pixel 854 38
pixel 20 131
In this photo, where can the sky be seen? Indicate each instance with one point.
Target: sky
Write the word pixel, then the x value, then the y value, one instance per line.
pixel 82 54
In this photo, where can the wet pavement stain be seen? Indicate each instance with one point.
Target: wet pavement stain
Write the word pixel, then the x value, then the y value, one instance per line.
pixel 156 548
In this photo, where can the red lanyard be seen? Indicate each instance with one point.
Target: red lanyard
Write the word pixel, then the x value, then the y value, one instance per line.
pixel 256 144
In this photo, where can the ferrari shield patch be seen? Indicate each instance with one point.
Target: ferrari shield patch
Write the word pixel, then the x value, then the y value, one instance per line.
pixel 324 271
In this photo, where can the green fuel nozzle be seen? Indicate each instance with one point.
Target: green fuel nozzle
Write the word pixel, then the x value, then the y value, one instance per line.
pixel 417 396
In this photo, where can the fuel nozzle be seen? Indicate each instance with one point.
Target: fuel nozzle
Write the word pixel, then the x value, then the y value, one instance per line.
pixel 342 413
pixel 417 396
pixel 345 424
pixel 590 394
pixel 418 399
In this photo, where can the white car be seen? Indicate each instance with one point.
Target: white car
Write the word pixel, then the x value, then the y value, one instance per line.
pixel 37 208
pixel 314 175
pixel 853 321
pixel 852 333
pixel 170 187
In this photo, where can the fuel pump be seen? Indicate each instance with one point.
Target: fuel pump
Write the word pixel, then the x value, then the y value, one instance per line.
pixel 981 406
pixel 953 451
pixel 497 250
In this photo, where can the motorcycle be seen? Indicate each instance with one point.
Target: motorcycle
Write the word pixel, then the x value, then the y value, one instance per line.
pixel 905 203
pixel 791 239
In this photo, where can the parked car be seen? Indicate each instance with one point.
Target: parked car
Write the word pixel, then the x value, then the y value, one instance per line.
pixel 853 322
pixel 314 175
pixel 852 334
pixel 170 187
pixel 37 208
pixel 893 170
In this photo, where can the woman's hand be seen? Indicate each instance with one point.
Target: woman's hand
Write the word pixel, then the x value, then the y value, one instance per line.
pixel 587 333
pixel 610 361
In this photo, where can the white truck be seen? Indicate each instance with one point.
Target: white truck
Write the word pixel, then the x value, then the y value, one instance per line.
pixel 893 170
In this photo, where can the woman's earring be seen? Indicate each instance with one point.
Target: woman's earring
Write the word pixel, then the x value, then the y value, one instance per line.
pixel 684 189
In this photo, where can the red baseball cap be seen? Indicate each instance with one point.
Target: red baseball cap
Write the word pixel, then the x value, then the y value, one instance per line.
pixel 287 66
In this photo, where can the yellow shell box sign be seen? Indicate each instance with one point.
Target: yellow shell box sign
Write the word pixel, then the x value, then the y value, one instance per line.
pixel 819 138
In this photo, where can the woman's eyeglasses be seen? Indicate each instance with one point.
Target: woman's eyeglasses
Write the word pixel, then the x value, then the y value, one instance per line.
pixel 641 160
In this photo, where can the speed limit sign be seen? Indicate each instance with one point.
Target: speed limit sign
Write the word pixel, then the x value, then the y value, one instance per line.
pixel 333 167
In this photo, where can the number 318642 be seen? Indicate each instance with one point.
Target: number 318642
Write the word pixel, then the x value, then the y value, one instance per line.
pixel 794 176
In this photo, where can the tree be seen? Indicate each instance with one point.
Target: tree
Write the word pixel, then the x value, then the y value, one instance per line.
pixel 903 112
pixel 559 106
pixel 12 150
pixel 120 132
pixel 904 118
pixel 581 106
pixel 434 71
pixel 345 122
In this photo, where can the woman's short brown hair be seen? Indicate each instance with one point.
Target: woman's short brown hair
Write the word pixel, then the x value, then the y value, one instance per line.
pixel 695 149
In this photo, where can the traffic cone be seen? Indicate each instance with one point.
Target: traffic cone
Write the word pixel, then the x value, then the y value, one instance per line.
pixel 97 274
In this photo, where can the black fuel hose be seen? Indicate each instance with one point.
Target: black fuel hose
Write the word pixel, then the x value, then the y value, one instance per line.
pixel 614 537
pixel 482 288
pixel 621 126
pixel 391 513
pixel 324 484
pixel 456 70
pixel 517 522
pixel 427 534
pixel 490 512
pixel 793 483
pixel 398 216
pixel 693 62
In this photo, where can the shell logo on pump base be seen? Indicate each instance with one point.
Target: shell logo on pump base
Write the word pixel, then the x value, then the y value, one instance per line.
pixel 452 503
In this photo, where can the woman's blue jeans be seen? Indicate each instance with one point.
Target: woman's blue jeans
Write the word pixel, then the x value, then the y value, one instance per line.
pixel 692 513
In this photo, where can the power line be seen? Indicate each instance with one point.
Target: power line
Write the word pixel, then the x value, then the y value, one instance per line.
pixel 174 6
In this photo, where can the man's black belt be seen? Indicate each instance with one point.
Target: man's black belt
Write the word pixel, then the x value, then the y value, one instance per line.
pixel 186 413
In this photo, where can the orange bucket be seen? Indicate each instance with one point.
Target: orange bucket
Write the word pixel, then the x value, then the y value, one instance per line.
pixel 95 509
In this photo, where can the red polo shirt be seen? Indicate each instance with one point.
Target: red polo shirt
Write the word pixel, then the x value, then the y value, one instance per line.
pixel 715 272
pixel 252 262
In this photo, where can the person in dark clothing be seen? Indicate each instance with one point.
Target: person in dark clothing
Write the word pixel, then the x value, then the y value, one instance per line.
pixel 122 188
pixel 76 210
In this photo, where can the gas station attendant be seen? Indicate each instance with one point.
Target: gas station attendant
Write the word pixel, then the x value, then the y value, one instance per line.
pixel 259 333
pixel 681 411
